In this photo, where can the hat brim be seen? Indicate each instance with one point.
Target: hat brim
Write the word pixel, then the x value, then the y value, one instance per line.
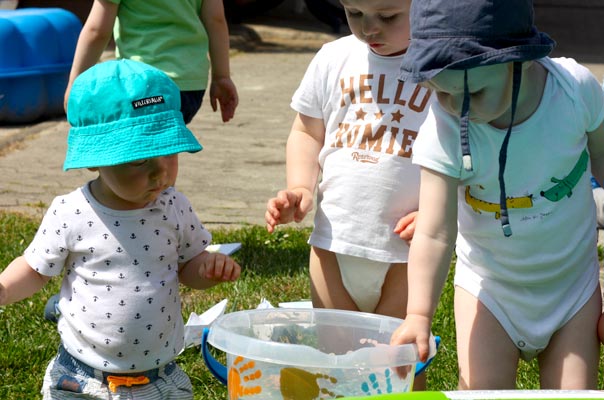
pixel 128 140
pixel 427 56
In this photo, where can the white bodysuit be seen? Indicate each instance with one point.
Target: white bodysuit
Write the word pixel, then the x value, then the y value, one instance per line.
pixel 536 280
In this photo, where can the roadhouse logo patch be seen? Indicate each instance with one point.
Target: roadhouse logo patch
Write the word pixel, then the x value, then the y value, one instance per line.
pixel 148 101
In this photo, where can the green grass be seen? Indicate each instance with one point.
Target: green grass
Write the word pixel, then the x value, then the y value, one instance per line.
pixel 274 267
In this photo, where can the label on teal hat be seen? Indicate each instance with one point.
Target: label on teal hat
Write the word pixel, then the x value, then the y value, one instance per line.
pixel 148 101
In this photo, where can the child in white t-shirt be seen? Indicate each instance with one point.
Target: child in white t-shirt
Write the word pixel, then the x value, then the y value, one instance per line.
pixel 124 241
pixel 355 128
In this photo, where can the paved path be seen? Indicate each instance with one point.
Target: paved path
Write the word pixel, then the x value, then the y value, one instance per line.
pixel 243 161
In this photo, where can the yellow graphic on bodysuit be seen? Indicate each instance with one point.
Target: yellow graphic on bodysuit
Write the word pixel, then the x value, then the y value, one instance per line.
pixel 241 379
pixel 511 202
pixel 297 384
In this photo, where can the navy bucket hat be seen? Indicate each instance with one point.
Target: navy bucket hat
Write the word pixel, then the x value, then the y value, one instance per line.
pixel 465 34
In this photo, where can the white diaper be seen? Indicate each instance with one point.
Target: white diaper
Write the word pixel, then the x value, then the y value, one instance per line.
pixel 363 279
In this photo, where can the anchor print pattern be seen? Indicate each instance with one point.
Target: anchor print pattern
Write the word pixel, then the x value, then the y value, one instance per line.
pixel 120 300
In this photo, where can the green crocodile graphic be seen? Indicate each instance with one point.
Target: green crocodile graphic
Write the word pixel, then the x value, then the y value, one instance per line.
pixel 564 187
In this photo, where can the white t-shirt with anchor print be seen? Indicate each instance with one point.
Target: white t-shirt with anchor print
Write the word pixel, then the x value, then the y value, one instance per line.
pixel 371 120
pixel 120 302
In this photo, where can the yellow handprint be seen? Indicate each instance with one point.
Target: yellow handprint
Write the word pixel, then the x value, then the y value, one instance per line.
pixel 297 384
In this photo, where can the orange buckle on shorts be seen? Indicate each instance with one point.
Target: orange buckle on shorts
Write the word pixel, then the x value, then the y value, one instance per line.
pixel 116 381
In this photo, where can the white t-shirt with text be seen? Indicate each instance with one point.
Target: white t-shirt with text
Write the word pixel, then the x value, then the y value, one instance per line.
pixel 371 120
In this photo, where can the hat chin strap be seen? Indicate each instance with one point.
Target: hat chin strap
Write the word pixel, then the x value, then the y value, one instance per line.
pixel 466 156
pixel 465 141
pixel 503 152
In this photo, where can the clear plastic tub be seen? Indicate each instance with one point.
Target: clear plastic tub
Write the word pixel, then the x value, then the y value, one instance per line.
pixel 300 354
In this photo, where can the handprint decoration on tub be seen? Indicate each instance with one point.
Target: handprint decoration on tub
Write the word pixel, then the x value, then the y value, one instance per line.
pixel 297 384
pixel 373 386
pixel 241 379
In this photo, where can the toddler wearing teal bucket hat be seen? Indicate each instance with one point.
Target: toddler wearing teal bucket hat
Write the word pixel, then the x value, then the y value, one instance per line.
pixel 124 242
pixel 534 125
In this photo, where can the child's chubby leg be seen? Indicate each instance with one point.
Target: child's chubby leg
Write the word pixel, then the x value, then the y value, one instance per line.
pixel 601 328
pixel 570 361
pixel 326 287
pixel 328 291
pixel 394 304
pixel 394 293
pixel 487 357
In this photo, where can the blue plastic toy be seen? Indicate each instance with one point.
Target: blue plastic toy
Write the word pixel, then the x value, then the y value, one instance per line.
pixel 36 53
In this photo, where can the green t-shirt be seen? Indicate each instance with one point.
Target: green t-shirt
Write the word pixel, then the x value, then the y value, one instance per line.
pixel 168 35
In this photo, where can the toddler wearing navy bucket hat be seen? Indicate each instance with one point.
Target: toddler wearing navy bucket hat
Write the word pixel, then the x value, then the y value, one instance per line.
pixel 509 144
pixel 123 241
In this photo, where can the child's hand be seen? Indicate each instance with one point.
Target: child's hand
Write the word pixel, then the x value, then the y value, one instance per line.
pixel 217 267
pixel 415 329
pixel 224 92
pixel 405 227
pixel 288 206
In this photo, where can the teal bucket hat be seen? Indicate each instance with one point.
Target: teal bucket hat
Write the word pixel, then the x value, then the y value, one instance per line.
pixel 123 111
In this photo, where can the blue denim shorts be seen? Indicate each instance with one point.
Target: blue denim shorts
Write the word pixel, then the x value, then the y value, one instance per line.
pixel 69 378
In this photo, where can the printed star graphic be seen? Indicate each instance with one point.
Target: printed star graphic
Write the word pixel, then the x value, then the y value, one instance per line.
pixel 379 115
pixel 397 116
pixel 361 114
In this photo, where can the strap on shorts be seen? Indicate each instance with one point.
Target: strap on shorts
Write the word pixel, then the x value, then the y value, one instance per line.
pixel 113 380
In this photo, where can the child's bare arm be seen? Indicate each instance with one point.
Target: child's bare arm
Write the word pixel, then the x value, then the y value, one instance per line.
pixel 429 257
pixel 19 281
pixel 93 40
pixel 214 21
pixel 208 269
pixel 222 88
pixel 302 153
pixel 302 169
pixel 595 144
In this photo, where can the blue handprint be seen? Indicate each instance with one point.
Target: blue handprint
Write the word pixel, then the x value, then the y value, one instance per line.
pixel 372 385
